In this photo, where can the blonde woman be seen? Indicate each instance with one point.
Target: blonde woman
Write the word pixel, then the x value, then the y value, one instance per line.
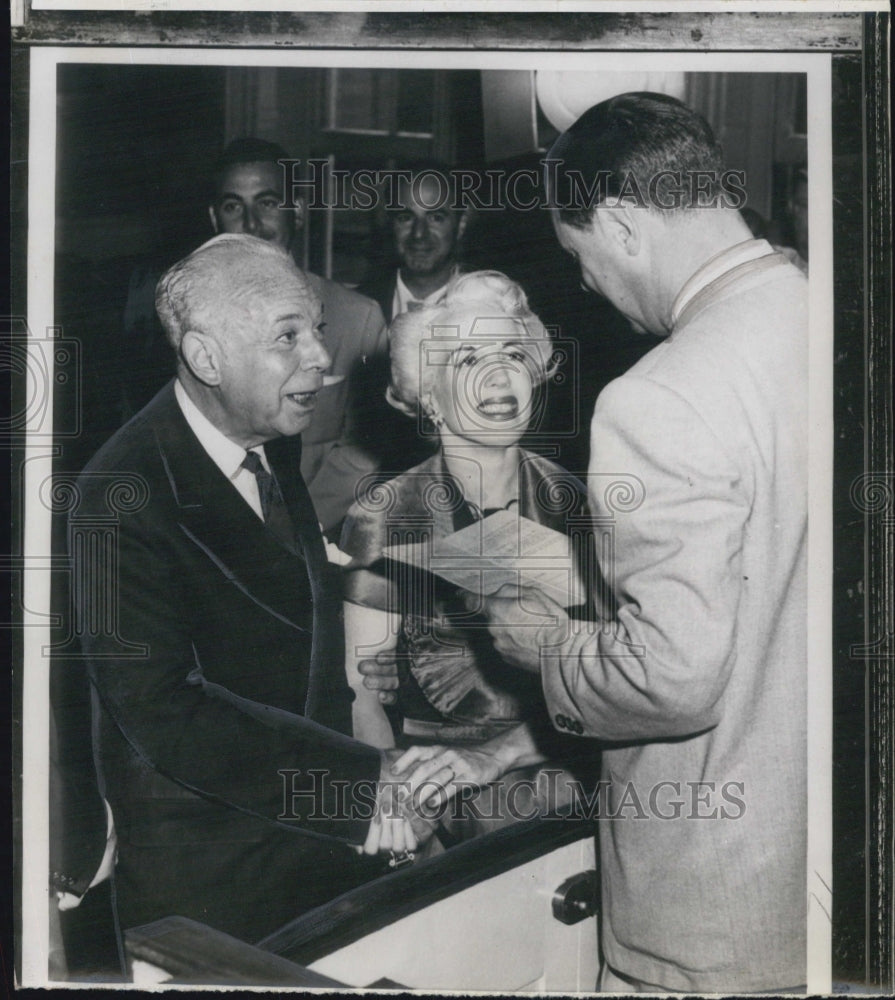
pixel 473 367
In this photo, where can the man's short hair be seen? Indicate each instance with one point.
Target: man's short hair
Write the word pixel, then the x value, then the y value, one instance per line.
pixel 638 136
pixel 244 150
pixel 429 166
pixel 212 284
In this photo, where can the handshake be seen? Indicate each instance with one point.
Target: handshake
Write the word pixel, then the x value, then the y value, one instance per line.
pixel 414 787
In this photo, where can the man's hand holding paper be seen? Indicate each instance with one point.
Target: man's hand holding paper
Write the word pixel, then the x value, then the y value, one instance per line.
pixel 522 622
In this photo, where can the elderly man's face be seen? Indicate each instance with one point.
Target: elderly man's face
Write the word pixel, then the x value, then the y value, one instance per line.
pixel 273 361
pixel 426 235
pixel 247 201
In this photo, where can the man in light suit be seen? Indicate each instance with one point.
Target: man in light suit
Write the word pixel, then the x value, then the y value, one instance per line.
pixel 340 446
pixel 212 627
pixel 696 675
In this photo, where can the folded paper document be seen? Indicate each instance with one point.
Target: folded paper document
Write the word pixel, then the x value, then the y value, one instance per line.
pixel 502 548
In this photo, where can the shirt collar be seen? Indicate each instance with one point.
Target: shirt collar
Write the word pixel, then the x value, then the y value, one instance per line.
pixel 714 268
pixel 227 455
pixel 404 294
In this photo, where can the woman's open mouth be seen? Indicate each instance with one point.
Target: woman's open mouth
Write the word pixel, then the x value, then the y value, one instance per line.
pixel 499 407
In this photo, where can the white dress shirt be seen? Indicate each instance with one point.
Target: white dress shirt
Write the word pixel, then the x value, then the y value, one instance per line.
pixel 403 297
pixel 227 455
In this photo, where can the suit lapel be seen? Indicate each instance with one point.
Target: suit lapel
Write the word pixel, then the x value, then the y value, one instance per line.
pixel 214 516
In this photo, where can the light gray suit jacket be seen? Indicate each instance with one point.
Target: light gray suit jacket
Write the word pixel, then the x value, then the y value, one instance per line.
pixel 701 678
pixel 334 456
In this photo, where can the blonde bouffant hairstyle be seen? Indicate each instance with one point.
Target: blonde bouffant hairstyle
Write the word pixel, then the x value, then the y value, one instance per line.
pixel 468 299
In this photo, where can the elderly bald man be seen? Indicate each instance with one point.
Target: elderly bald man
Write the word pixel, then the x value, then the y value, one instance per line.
pixel 220 697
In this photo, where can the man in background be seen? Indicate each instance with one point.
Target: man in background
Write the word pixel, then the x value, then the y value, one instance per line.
pixel 427 228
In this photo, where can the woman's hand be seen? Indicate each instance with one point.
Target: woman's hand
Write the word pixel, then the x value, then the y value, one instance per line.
pixel 434 774
pixel 396 825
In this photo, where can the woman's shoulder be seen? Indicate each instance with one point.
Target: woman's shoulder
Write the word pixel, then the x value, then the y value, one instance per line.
pixel 400 493
pixel 389 499
pixel 540 467
pixel 549 492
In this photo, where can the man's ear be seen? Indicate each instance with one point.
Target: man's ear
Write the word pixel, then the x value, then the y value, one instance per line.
pixel 462 224
pixel 202 355
pixel 214 219
pixel 299 210
pixel 620 224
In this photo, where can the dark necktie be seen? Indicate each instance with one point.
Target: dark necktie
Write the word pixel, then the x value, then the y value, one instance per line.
pixel 273 507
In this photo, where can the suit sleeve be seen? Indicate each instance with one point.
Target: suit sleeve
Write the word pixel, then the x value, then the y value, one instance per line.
pixel 660 666
pixel 350 458
pixel 201 736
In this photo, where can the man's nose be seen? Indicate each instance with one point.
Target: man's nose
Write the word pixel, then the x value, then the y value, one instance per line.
pixel 420 227
pixel 315 357
pixel 250 223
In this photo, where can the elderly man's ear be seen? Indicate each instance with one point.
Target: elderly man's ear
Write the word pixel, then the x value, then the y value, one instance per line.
pixel 202 356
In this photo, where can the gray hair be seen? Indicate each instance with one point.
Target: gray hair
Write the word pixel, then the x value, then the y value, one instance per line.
pixel 216 282
pixel 479 295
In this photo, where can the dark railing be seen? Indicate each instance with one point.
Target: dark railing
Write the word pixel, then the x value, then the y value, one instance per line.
pixel 190 952
pixel 408 890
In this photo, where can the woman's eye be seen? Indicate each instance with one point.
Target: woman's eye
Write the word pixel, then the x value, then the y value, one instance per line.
pixel 320 330
pixel 288 336
pixel 469 359
pixel 516 355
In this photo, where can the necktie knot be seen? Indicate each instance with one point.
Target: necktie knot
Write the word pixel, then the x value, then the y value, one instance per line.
pixel 253 463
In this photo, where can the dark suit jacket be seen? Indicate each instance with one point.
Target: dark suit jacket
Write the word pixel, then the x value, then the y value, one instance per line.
pixel 225 668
